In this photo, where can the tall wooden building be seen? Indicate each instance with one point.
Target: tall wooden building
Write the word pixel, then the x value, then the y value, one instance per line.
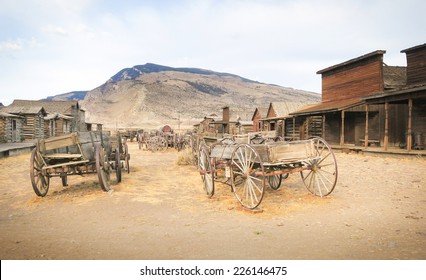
pixel 359 105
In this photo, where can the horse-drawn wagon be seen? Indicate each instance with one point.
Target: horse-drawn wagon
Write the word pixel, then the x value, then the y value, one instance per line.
pixel 77 153
pixel 249 166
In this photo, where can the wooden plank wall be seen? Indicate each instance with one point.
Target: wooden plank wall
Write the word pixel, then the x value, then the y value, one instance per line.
pixel 362 80
pixel 3 137
pixel 416 67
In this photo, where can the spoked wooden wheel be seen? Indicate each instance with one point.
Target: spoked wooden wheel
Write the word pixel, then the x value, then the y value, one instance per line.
pixel 102 167
pixel 118 165
pixel 39 178
pixel 206 170
pixel 248 182
pixel 127 157
pixel 321 177
pixel 275 181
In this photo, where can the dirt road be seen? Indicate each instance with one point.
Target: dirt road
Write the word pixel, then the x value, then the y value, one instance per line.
pixel 160 211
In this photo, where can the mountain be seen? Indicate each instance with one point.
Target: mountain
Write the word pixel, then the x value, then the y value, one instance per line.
pixel 73 95
pixel 150 95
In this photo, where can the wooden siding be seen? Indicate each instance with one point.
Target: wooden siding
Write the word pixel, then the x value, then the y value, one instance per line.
pixel 360 81
pixel 257 124
pixel 33 127
pixel 416 66
pixel 6 131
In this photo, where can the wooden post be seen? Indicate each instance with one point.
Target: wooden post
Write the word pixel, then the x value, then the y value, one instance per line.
pixel 294 128
pixel 366 127
pixel 283 130
pixel 323 126
pixel 386 126
pixel 409 136
pixel 342 129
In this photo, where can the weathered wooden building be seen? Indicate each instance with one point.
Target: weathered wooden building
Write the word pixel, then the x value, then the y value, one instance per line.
pixel 68 108
pixel 56 124
pixel 32 120
pixel 278 119
pixel 404 109
pixel 259 114
pixel 11 128
pixel 342 112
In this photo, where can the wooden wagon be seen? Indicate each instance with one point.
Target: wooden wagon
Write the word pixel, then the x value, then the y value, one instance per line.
pixel 77 153
pixel 119 157
pixel 248 167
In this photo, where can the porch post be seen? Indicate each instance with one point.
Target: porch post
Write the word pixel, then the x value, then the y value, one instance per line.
pixel 366 127
pixel 386 140
pixel 294 128
pixel 283 131
pixel 342 129
pixel 409 137
pixel 323 126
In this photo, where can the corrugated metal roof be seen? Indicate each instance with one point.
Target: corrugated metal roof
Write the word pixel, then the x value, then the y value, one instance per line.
pixel 331 106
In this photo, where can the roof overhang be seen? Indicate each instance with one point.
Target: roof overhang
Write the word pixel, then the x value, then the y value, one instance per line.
pixel 328 107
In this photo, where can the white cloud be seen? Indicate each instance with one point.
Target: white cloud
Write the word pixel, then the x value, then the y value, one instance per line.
pixel 10 45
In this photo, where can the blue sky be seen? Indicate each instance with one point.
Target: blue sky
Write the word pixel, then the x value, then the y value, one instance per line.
pixel 48 47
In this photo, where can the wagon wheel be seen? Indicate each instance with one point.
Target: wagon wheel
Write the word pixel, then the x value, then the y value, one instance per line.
pixel 248 182
pixel 206 171
pixel 118 165
pixel 275 181
pixel 64 179
pixel 102 167
pixel 39 178
pixel 321 177
pixel 127 157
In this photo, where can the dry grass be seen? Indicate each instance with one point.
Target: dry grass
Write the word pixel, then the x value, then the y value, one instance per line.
pixel 185 157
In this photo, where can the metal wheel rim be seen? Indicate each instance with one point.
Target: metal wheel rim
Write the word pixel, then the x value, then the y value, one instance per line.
pixel 247 187
pixel 205 167
pixel 275 181
pixel 102 168
pixel 321 178
pixel 127 156
pixel 39 181
pixel 118 165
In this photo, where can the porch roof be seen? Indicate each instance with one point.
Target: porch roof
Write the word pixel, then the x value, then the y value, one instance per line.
pixel 327 107
pixel 415 91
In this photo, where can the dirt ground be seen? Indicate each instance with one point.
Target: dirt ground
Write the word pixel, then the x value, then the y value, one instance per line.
pixel 160 211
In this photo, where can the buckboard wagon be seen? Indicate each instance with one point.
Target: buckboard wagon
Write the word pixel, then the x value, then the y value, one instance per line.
pixel 77 153
pixel 247 167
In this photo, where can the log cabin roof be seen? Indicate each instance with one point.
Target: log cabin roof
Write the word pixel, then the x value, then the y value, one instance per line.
pixel 23 110
pixel 52 116
pixel 283 109
pixel 63 107
pixel 7 115
pixel 263 111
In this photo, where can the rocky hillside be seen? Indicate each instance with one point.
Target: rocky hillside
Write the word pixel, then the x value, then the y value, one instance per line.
pixel 150 95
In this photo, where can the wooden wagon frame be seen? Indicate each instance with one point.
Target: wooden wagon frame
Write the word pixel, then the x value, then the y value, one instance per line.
pixel 248 166
pixel 77 153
